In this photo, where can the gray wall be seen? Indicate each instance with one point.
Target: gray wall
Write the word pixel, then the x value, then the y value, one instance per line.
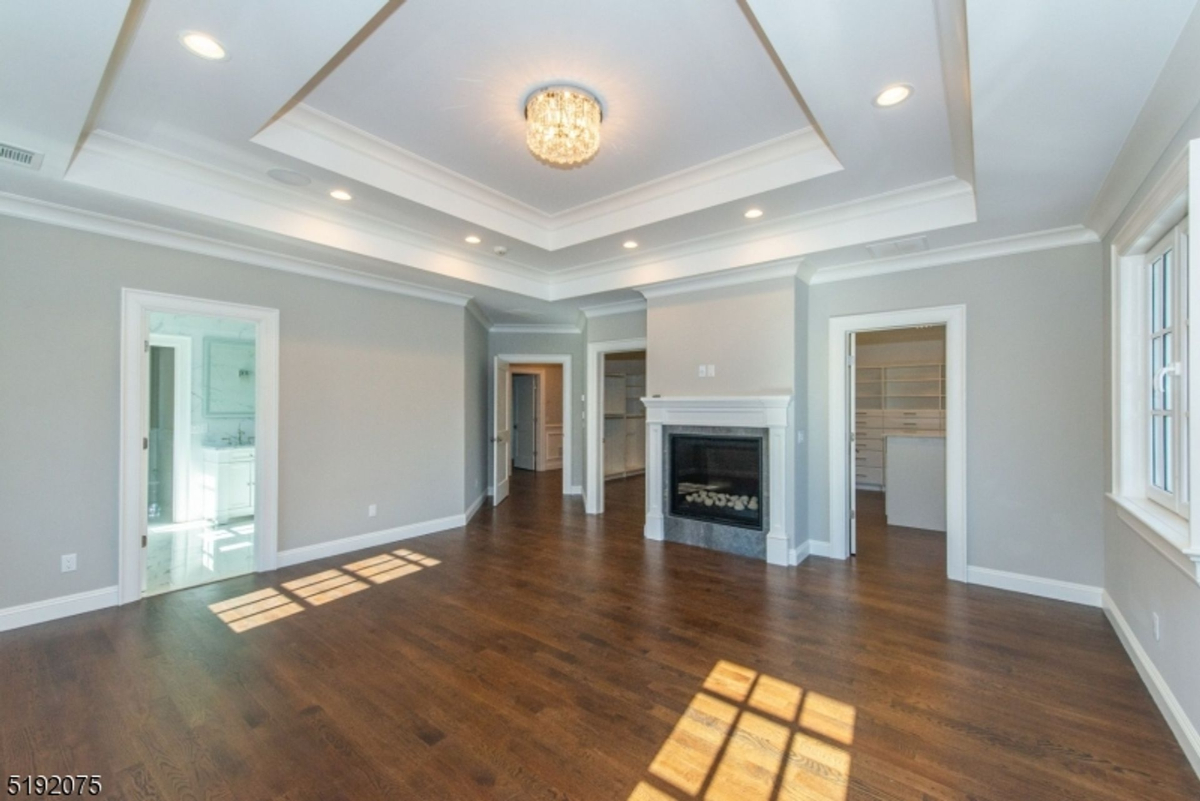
pixel 371 384
pixel 628 325
pixel 1035 378
pixel 800 405
pixel 1139 580
pixel 475 407
pixel 572 345
pixel 747 332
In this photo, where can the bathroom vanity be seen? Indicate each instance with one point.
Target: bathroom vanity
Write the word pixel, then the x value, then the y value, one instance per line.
pixel 228 482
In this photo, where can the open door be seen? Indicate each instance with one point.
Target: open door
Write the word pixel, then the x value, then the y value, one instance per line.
pixel 524 421
pixel 502 441
pixel 852 445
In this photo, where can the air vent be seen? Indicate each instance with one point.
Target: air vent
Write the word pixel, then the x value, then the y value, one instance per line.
pixel 15 155
pixel 898 247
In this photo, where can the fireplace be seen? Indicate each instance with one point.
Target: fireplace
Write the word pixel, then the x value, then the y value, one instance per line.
pixel 716 479
pixel 724 449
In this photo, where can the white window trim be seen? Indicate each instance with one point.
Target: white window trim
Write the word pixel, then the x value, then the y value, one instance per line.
pixel 1163 207
pixel 1172 501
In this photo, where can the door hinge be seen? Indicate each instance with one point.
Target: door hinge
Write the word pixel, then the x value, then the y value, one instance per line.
pixel 143 540
pixel 145 346
pixel 853 514
pixel 145 443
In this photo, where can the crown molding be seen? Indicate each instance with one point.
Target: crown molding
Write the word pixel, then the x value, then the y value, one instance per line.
pixel 534 328
pixel 609 309
pixel 748 275
pixel 114 164
pixel 1004 246
pixel 1161 207
pixel 474 309
pixel 326 141
pixel 938 204
pixel 93 222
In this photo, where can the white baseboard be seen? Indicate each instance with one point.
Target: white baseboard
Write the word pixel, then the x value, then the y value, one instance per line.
pixel 1181 725
pixel 472 509
pixel 296 556
pixel 798 554
pixel 819 548
pixel 14 617
pixel 576 489
pixel 1036 585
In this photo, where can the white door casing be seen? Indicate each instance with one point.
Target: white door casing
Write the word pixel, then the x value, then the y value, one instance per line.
pixel 502 438
pixel 851 441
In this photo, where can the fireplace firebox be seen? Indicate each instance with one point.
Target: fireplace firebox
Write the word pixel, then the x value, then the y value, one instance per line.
pixel 717 479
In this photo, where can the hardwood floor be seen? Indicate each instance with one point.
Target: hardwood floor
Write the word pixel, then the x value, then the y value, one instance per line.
pixel 540 653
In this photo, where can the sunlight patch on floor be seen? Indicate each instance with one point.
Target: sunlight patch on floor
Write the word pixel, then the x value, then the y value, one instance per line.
pixel 748 736
pixel 264 606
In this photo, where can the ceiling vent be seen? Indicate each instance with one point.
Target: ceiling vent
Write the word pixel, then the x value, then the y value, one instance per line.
pixel 899 247
pixel 15 155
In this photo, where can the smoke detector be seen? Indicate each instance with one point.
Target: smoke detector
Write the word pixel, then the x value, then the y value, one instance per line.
pixel 500 250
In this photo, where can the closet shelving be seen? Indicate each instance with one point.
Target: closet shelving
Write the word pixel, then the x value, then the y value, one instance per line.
pixel 624 424
pixel 894 399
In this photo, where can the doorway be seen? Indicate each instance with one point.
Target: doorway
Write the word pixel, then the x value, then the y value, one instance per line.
pixel 897 429
pixel 199 438
pixel 531 423
pixel 624 439
pixel 618 366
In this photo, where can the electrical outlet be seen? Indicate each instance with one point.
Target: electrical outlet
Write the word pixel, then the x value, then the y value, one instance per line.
pixel 703 371
pixel 371 510
pixel 1157 626
pixel 799 437
pixel 68 563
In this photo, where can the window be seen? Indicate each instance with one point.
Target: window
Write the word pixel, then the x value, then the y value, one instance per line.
pixel 1165 308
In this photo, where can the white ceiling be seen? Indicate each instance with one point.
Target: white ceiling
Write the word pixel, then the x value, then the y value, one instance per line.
pixel 680 84
pixel 1019 112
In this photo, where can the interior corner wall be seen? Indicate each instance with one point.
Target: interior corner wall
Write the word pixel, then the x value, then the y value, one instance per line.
pixel 1035 374
pixel 573 345
pixel 475 367
pixel 371 389
pixel 800 405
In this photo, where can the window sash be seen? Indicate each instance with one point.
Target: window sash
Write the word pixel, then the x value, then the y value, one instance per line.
pixel 1165 335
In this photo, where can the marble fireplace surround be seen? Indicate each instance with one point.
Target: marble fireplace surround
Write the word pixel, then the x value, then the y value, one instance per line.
pixel 769 412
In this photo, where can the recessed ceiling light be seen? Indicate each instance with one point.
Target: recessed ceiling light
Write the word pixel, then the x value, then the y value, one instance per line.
pixel 340 194
pixel 289 177
pixel 630 245
pixel 753 214
pixel 203 45
pixel 893 95
pixel 472 240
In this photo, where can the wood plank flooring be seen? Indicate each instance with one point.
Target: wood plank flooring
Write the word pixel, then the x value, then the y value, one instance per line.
pixel 543 654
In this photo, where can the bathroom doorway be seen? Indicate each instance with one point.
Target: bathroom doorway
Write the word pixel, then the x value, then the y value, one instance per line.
pixel 201 480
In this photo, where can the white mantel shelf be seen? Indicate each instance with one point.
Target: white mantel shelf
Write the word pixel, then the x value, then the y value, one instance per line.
pixel 772 412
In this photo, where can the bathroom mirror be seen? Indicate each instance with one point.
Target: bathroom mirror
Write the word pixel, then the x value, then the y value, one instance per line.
pixel 228 377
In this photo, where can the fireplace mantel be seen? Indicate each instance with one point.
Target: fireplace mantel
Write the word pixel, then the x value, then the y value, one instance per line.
pixel 771 412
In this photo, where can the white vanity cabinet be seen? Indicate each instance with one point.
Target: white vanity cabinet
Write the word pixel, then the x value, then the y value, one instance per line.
pixel 228 483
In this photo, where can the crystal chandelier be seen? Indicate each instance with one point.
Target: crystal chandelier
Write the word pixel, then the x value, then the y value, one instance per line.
pixel 562 125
